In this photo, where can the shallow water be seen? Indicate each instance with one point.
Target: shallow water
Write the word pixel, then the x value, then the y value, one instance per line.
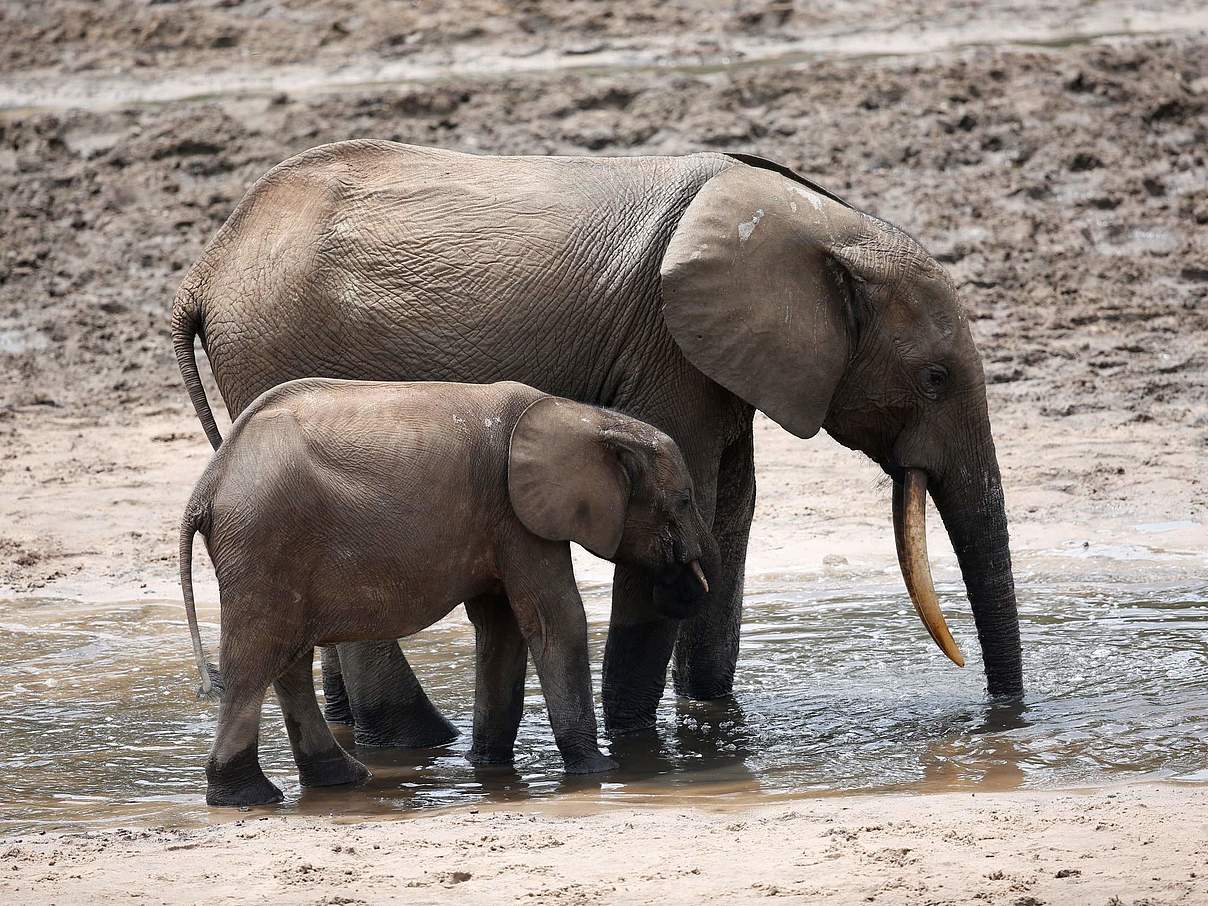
pixel 836 693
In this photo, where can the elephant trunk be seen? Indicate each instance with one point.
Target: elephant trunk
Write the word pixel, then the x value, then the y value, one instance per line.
pixel 972 507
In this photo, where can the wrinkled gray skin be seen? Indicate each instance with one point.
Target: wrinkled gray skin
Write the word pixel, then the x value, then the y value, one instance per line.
pixel 687 291
pixel 415 498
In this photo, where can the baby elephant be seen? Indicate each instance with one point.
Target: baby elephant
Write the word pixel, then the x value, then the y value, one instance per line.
pixel 349 510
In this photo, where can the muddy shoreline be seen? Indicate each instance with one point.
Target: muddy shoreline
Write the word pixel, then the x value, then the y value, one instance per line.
pixel 1065 190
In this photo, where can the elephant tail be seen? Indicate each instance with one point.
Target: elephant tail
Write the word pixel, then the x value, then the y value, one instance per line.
pixel 211 684
pixel 187 325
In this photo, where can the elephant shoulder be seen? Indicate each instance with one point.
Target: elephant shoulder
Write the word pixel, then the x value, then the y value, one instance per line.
pixel 524 394
pixel 762 163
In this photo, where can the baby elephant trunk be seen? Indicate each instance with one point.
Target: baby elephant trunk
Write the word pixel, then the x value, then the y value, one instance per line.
pixel 680 590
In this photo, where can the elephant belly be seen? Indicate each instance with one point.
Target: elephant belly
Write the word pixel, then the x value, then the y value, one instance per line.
pixel 346 610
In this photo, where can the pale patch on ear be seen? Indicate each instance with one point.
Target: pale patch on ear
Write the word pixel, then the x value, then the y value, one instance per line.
pixel 746 228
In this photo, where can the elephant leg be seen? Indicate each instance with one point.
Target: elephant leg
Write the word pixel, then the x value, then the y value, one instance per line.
pixel 545 600
pixel 233 773
pixel 635 656
pixel 320 760
pixel 336 709
pixel 706 650
pixel 389 706
pixel 500 665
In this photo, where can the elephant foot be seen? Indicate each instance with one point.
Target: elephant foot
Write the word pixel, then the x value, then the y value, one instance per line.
pixel 335 769
pixel 703 684
pixel 624 723
pixel 419 728
pixel 589 763
pixel 485 756
pixel 239 783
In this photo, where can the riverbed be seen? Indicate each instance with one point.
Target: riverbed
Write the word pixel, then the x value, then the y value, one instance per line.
pixel 839 691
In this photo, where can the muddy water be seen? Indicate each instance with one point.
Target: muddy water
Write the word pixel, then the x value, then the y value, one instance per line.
pixel 837 692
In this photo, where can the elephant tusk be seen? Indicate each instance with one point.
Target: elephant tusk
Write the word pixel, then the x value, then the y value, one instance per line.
pixel 700 575
pixel 910 533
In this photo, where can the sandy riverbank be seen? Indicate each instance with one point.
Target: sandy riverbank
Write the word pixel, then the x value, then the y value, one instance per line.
pixel 1132 845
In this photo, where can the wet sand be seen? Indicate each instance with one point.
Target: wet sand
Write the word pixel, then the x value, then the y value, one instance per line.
pixel 1063 184
pixel 1103 847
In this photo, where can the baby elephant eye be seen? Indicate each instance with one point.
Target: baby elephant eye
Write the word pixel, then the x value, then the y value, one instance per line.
pixel 933 378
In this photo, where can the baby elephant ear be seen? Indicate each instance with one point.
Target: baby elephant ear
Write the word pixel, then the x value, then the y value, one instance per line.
pixel 565 482
pixel 754 291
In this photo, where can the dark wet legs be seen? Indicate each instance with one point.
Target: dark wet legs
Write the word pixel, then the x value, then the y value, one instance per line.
pixel 706 649
pixel 640 645
pixel 636 655
pixel 320 760
pixel 233 770
pixel 500 665
pixel 233 773
pixel 336 709
pixel 550 615
pixel 387 704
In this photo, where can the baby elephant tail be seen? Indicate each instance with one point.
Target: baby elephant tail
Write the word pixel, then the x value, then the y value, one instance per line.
pixel 211 684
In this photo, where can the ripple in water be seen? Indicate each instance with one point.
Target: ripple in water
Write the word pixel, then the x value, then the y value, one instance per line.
pixel 836 693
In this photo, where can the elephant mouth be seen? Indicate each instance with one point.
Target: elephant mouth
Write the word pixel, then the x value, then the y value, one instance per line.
pixel 680 590
pixel 910 535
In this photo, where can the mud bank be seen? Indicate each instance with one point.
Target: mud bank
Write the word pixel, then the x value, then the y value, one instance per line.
pixel 1064 189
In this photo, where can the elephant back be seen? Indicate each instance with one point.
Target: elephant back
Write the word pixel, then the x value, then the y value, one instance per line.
pixel 383 261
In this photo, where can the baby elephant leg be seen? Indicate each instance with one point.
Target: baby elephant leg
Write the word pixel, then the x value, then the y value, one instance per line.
pixel 501 662
pixel 389 706
pixel 550 614
pixel 320 760
pixel 233 770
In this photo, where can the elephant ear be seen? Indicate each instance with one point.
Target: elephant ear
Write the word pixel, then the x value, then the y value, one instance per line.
pixel 756 295
pixel 566 482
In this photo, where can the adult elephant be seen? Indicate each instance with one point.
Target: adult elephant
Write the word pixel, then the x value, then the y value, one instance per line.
pixel 688 291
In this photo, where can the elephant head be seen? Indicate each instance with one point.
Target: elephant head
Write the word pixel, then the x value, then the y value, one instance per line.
pixel 825 317
pixel 615 485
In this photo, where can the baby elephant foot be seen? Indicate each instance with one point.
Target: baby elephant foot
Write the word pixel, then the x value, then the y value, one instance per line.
pixel 588 763
pixel 336 768
pixel 239 783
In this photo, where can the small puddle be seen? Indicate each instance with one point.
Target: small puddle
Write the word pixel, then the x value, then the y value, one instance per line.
pixel 836 693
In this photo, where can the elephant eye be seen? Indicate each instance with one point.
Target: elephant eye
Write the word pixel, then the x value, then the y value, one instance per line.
pixel 933 378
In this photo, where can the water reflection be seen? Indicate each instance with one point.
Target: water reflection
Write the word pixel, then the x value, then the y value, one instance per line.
pixel 835 693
